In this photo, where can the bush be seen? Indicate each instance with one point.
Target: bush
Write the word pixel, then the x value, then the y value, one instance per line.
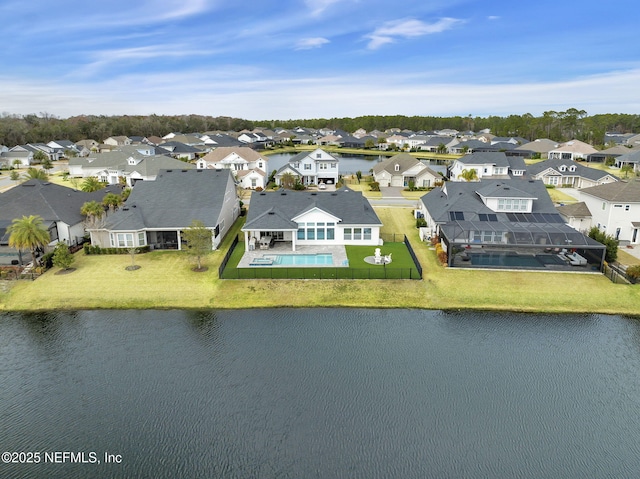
pixel 421 222
pixel 633 272
pixel 95 249
pixel 374 186
pixel 441 254
pixel 549 187
pixel 47 260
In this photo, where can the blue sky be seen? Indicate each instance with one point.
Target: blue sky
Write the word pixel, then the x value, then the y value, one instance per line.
pixel 266 59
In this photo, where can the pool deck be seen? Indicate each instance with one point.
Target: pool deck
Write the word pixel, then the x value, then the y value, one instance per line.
pixel 338 252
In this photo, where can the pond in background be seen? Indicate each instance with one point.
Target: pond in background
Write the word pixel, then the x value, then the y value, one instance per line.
pixel 327 393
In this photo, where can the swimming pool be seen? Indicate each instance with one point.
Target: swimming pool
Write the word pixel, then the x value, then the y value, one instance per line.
pixel 514 260
pixel 321 259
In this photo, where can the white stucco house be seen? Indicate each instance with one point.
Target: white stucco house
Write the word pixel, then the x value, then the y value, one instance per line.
pixel 402 169
pixel 311 168
pixel 615 209
pixel 298 218
pixel 249 167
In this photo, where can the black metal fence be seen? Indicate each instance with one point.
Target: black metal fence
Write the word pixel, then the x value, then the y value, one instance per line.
pixel 310 272
pixel 413 255
pixel 225 260
pixel 386 272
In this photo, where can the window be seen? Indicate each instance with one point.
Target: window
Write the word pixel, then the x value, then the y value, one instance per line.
pixel 142 239
pixel 347 234
pixel 318 155
pixel 626 207
pixel 333 165
pixel 366 233
pixel 509 204
pixel 121 240
pixel 323 166
pixel 260 165
pixel 396 167
pixel 307 166
pixel 301 231
pixel 357 233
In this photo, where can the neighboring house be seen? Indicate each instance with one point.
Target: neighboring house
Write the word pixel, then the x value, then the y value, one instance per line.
pixel 311 168
pixel 468 146
pixel 609 153
pixel 576 215
pixel 11 157
pixel 631 157
pixel 509 216
pixel 343 217
pixel 248 166
pixel 252 137
pixel 57 205
pixel 180 151
pixel 615 209
pixel 568 173
pixel 435 143
pixel 117 141
pixel 572 150
pixel 539 148
pixel 91 145
pixel 156 212
pixel 128 166
pixel 64 148
pixel 403 169
pixel 488 165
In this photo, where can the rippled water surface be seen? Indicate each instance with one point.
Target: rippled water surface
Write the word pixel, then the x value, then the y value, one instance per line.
pixel 323 393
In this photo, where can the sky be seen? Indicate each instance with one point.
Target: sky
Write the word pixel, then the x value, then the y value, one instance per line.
pixel 285 59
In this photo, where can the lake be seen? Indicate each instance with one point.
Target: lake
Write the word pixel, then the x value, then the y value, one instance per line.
pixel 320 393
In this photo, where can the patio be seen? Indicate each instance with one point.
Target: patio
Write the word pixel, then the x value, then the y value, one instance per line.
pixel 250 259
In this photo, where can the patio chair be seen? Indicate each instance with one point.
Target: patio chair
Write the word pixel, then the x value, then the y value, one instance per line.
pixel 387 258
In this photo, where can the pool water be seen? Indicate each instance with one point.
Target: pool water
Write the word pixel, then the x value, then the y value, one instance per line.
pixel 323 259
pixel 514 260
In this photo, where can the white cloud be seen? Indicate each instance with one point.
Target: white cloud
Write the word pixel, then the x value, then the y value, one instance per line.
pixel 410 28
pixel 319 6
pixel 308 43
pixel 240 92
pixel 493 17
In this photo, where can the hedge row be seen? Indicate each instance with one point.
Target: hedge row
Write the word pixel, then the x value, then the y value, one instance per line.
pixel 91 249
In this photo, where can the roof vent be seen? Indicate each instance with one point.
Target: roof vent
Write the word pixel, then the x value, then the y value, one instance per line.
pixel 271 213
pixel 314 194
pixel 184 171
pixel 284 193
pixel 334 194
pixel 125 208
pixel 169 171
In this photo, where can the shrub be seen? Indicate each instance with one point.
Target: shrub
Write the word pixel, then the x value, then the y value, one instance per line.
pixel 91 249
pixel 374 186
pixel 421 222
pixel 633 272
pixel 441 254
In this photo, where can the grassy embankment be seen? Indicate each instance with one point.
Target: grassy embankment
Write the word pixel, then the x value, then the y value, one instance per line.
pixel 166 280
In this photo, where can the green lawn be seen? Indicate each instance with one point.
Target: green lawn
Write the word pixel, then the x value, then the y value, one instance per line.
pixel 166 280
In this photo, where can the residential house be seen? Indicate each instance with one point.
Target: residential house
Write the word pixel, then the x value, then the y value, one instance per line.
pixel 468 146
pixel 504 224
pixel 539 148
pixel 488 165
pixel 568 173
pixel 631 158
pixel 615 209
pixel 128 165
pixel 57 205
pixel 576 215
pixel 16 157
pixel 311 168
pixel 248 166
pixel 90 145
pixel 572 150
pixel 117 141
pixel 156 212
pixel 608 154
pixel 302 218
pixel 402 170
pixel 180 151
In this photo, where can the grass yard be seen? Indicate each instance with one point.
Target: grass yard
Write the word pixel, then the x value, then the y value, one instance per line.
pixel 166 280
pixel 558 196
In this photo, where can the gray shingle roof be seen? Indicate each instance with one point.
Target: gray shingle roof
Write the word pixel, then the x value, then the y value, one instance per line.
pixel 50 201
pixel 276 210
pixel 173 200
pixel 622 191
pixel 580 170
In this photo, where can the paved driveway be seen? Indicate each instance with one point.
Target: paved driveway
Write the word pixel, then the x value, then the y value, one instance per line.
pixel 391 191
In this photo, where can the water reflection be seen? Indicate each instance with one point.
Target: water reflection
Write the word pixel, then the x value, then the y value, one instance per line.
pixel 323 393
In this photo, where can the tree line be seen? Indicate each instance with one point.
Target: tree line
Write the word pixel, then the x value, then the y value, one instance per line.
pixel 558 126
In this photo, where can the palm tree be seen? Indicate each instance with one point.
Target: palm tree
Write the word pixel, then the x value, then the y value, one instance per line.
pixel 92 184
pixel 28 233
pixel 112 201
pixel 92 210
pixel 469 175
pixel 36 174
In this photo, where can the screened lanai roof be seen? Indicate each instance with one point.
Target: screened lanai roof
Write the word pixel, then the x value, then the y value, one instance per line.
pixel 520 234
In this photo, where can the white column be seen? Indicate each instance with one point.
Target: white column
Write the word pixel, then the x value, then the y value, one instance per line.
pixel 246 241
